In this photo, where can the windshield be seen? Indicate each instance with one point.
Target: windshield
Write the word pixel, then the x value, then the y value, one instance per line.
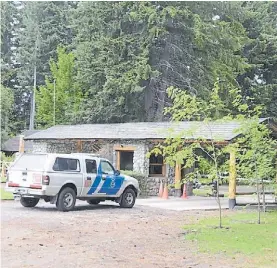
pixel 30 162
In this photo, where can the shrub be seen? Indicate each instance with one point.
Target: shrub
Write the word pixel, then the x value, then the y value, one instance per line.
pixel 141 179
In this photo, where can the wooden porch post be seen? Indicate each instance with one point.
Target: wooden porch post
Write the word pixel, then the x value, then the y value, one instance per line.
pixel 178 180
pixel 21 144
pixel 79 146
pixel 232 180
pixel 118 160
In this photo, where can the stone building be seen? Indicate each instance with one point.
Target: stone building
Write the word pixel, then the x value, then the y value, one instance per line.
pixel 127 144
pixel 11 146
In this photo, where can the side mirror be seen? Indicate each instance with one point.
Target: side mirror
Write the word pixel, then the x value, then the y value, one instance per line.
pixel 117 173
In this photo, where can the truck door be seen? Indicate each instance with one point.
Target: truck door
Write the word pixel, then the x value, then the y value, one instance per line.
pixel 90 177
pixel 111 182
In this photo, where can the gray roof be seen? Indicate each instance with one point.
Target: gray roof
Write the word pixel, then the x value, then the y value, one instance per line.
pixel 12 144
pixel 140 131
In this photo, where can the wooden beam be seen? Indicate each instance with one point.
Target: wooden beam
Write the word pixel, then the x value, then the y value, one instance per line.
pixel 21 144
pixel 124 148
pixel 232 180
pixel 118 160
pixel 79 146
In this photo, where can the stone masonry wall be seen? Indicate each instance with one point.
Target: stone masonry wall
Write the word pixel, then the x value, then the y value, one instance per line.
pixel 106 149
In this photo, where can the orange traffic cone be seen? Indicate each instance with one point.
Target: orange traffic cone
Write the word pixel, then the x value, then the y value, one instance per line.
pixel 165 192
pixel 161 190
pixel 184 196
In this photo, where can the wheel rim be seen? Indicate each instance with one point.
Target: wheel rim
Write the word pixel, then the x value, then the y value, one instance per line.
pixel 68 200
pixel 129 198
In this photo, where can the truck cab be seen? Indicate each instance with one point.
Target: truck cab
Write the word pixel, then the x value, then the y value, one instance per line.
pixel 62 178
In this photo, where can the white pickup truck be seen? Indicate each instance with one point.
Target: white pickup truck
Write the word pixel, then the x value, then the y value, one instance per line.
pixel 62 178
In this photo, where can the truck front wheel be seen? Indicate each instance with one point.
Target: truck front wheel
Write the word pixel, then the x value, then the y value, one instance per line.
pixel 66 199
pixel 128 198
pixel 28 202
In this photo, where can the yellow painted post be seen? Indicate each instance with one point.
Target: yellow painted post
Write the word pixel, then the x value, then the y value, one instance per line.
pixel 232 180
pixel 178 180
pixel 21 144
pixel 79 146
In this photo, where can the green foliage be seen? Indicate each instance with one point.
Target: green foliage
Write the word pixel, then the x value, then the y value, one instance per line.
pixel 7 100
pixel 240 238
pixel 6 158
pixel 43 28
pixel 112 61
pixel 141 179
pixel 257 157
pixel 59 90
pixel 128 53
pixel 260 81
pixel 178 147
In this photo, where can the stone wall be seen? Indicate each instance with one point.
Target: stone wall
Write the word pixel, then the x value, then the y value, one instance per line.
pixel 107 150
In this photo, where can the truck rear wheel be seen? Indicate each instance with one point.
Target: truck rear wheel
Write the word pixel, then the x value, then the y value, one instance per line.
pixel 66 199
pixel 28 202
pixel 128 198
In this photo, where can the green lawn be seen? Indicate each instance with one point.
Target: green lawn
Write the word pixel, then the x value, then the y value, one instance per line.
pixel 6 195
pixel 240 235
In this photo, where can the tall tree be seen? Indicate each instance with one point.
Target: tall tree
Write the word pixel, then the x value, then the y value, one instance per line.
pixel 112 61
pixel 7 100
pixel 10 20
pixel 44 27
pixel 136 50
pixel 58 100
pixel 259 83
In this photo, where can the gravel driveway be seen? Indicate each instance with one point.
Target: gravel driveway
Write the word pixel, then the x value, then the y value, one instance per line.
pixel 100 236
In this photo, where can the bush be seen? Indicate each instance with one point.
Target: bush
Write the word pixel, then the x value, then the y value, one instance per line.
pixel 6 158
pixel 141 179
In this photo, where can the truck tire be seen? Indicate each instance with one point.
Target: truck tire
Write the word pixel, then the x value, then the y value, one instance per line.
pixel 66 199
pixel 128 198
pixel 93 201
pixel 29 202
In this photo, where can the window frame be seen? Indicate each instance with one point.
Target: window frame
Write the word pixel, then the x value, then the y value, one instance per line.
pixel 157 164
pixel 90 160
pixel 68 171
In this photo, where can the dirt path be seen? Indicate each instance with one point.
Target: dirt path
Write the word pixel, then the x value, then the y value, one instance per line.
pixel 100 236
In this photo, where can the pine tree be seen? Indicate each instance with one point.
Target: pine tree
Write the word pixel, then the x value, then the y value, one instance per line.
pixel 259 83
pixel 44 27
pixel 58 100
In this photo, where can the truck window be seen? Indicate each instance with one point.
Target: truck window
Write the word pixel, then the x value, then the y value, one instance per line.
pixel 107 168
pixel 91 166
pixel 66 164
pixel 30 162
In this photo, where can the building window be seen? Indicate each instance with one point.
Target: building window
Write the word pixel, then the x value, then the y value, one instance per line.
pixel 156 165
pixel 126 160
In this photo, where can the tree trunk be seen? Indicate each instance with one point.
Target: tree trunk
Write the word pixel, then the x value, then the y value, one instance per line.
pixel 259 204
pixel 219 204
pixel 263 195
